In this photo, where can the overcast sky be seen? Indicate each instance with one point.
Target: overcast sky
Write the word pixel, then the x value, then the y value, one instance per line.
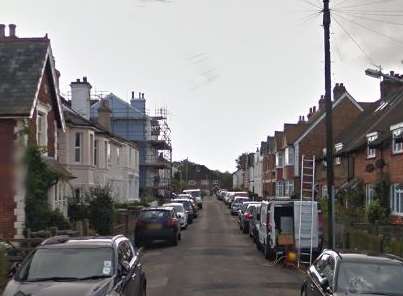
pixel 230 72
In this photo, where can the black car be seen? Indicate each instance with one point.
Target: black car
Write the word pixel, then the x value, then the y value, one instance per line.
pixel 88 266
pixel 335 273
pixel 157 224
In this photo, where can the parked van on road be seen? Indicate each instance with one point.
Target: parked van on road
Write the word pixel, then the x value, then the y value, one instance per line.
pixel 282 228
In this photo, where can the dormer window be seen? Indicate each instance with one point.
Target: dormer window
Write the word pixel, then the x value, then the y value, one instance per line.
pixel 371 150
pixel 397 138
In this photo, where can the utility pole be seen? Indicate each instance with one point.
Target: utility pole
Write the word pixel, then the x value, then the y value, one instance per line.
pixel 329 127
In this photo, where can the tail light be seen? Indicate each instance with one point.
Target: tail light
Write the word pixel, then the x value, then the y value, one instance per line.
pixel 172 222
pixel 247 216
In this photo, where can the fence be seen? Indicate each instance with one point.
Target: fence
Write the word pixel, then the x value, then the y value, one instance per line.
pixel 371 238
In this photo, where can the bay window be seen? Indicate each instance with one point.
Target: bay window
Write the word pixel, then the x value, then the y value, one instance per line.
pixel 289 187
pixel 289 155
pixel 396 199
pixel 280 159
pixel 280 188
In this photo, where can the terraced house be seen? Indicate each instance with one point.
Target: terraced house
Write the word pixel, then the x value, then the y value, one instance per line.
pixel 29 101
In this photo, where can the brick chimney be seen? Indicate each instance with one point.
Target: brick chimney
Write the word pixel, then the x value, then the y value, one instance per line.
pixel 322 103
pixel 388 85
pixel 11 30
pixel 105 115
pixel 338 91
pixel 2 31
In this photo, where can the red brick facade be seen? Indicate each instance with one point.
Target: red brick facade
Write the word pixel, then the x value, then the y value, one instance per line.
pixel 7 178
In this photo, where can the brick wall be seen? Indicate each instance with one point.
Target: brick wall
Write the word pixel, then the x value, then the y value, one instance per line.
pixel 7 203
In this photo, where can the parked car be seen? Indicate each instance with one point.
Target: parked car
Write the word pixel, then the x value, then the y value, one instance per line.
pixel 157 224
pixel 245 215
pixel 237 203
pixel 279 226
pixel 254 222
pixel 336 273
pixel 87 266
pixel 232 195
pixel 180 213
pixel 189 207
pixel 194 206
pixel 196 195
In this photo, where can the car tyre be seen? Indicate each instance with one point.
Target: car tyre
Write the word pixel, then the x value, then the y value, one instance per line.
pixel 268 252
pixel 180 236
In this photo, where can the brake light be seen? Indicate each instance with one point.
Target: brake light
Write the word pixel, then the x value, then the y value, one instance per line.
pixel 247 216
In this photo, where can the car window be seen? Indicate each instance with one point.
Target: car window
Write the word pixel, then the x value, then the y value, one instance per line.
pixel 67 262
pixel 125 252
pixel 325 266
pixel 370 278
pixel 154 215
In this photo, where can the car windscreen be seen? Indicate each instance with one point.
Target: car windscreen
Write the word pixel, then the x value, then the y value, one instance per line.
pixel 195 193
pixel 67 263
pixel 240 200
pixel 370 278
pixel 186 204
pixel 154 215
pixel 178 208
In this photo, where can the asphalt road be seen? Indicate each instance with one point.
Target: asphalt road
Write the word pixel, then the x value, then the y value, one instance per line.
pixel 215 258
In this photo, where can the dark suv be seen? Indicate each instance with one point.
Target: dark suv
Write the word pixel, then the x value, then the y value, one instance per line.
pixel 88 266
pixel 335 273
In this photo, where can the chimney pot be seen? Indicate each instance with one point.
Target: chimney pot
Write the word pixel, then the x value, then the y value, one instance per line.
pixel 78 80
pixel 84 79
pixel 310 110
pixel 142 96
pixel 132 95
pixel 392 73
pixel 2 30
pixel 11 30
pixel 314 109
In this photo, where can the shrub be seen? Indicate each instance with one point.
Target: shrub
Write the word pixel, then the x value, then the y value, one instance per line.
pixel 376 213
pixel 3 269
pixel 101 209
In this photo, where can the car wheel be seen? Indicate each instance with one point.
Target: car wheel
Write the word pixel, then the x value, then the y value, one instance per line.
pixel 180 236
pixel 303 291
pixel 268 252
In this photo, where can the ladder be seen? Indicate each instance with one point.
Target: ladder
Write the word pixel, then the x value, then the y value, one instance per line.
pixel 307 194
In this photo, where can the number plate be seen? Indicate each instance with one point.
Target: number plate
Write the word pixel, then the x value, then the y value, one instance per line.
pixel 154 226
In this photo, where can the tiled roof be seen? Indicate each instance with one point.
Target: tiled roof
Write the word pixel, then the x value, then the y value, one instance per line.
pixel 377 117
pixel 293 131
pixel 21 66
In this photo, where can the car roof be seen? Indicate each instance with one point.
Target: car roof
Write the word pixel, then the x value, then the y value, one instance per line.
pixel 172 204
pixel 348 256
pixel 85 241
pixel 191 190
pixel 158 209
pixel 183 199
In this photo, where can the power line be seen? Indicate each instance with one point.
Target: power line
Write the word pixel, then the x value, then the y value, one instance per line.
pixel 377 20
pixel 312 4
pixel 364 13
pixel 354 40
pixel 371 30
pixel 366 4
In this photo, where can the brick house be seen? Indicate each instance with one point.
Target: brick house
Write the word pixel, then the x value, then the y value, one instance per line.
pixel 29 98
pixel 269 168
pixel 372 148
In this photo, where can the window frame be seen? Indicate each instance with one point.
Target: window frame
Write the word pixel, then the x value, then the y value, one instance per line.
pixel 396 202
pixel 95 157
pixel 289 155
pixel 369 193
pixel 337 148
pixel 371 151
pixel 78 148
pixel 397 148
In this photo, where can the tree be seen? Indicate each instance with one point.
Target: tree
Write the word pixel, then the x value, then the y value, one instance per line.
pixel 100 209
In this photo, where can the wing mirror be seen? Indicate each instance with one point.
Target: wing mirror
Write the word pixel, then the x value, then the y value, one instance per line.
pixel 13 269
pixel 125 267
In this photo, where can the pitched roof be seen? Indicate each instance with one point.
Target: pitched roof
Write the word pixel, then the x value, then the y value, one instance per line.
pixel 22 64
pixel 378 117
pixel 23 61
pixel 293 131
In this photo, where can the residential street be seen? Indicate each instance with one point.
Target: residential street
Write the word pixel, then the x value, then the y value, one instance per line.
pixel 214 258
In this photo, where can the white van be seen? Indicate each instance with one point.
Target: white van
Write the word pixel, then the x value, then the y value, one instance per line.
pixel 281 227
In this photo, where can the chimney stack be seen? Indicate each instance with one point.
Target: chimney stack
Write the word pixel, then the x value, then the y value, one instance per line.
pixel 313 110
pixel 338 91
pixel 2 31
pixel 321 103
pixel 105 115
pixel 388 85
pixel 11 30
pixel 132 95
pixel 142 96
pixel 80 97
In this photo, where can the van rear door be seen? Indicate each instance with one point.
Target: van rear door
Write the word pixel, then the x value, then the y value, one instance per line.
pixel 308 221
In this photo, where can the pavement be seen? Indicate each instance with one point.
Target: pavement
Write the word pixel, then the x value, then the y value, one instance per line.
pixel 215 258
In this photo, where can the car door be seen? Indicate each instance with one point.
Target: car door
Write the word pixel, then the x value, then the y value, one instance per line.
pixel 125 254
pixel 262 224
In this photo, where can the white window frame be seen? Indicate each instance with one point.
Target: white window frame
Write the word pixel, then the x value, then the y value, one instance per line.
pixel 396 199
pixel 92 148
pixel 78 147
pixel 289 156
pixel 279 159
pixel 96 148
pixel 338 147
pixel 288 187
pixel 279 188
pixel 369 194
pixel 371 152
pixel 397 131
